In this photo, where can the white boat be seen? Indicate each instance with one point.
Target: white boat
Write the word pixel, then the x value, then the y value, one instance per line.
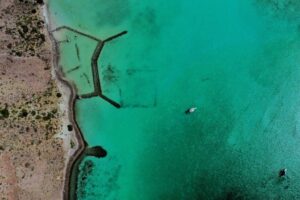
pixel 190 110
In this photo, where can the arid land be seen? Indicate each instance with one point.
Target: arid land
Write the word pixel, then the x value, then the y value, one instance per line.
pixel 36 136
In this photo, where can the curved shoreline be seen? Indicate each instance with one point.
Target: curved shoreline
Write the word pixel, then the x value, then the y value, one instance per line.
pixel 74 160
pixel 94 63
pixel 78 134
pixel 72 168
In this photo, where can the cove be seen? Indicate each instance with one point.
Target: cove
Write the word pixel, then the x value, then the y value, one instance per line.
pixel 237 61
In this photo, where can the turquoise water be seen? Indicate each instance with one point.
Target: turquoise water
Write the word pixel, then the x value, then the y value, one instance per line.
pixel 237 61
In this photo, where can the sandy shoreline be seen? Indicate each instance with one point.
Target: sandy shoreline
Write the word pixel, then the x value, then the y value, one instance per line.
pixel 69 94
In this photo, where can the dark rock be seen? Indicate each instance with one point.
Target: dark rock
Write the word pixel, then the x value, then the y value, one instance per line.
pixel 41 2
pixel 97 151
pixel 70 127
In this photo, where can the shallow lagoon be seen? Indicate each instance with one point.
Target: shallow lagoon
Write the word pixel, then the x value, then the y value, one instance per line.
pixel 238 62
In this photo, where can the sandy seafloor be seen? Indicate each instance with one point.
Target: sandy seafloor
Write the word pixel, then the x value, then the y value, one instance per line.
pixel 237 61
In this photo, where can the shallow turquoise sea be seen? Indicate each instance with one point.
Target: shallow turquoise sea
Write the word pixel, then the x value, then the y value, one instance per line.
pixel 237 61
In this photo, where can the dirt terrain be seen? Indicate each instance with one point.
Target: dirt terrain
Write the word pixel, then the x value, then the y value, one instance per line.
pixel 33 145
